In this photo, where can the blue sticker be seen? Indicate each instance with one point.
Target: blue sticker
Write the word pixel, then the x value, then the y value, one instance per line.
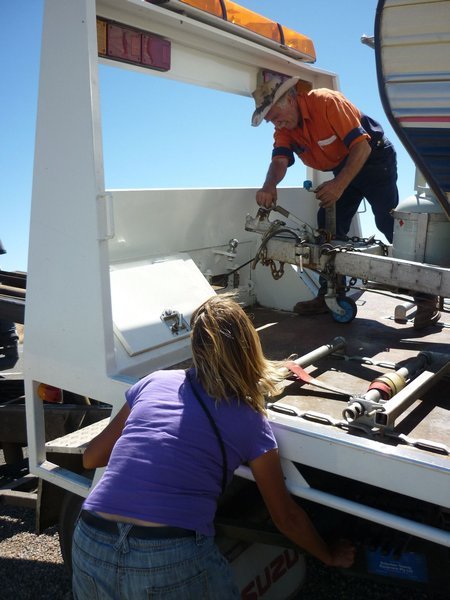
pixel 409 565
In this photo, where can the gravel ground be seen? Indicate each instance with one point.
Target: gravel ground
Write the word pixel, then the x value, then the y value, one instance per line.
pixel 31 568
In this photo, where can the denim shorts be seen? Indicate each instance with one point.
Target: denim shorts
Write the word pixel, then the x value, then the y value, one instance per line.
pixel 117 566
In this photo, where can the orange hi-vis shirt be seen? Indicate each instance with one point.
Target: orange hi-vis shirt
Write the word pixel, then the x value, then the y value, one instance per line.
pixel 330 126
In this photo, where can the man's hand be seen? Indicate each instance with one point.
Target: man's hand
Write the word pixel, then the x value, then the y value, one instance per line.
pixel 266 196
pixel 329 193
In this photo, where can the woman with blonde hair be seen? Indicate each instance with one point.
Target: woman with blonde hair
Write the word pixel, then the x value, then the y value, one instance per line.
pixel 146 530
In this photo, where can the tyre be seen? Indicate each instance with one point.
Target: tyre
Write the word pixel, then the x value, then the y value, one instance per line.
pixel 70 509
pixel 350 308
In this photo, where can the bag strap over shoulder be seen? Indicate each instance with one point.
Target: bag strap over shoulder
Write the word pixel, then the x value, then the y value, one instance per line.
pixel 215 429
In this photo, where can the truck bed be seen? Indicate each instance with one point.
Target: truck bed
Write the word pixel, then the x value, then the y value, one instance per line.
pixel 373 336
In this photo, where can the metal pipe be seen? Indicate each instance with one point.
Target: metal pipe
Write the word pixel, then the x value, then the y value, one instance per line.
pixel 401 401
pixel 9 290
pixel 358 405
pixel 353 411
pixel 338 343
pixel 401 310
pixel 426 532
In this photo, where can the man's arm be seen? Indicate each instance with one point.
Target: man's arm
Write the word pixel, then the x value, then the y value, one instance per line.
pixel 329 192
pixel 267 195
pixel 292 520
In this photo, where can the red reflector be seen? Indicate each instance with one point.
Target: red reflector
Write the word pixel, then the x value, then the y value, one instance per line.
pixel 155 52
pixel 124 44
pixel 127 44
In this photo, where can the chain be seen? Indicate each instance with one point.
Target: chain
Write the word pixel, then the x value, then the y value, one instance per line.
pixel 365 360
pixel 268 262
pixel 427 445
pixel 276 273
pixel 326 248
pixel 385 248
pixel 368 430
pixel 261 256
pixel 331 248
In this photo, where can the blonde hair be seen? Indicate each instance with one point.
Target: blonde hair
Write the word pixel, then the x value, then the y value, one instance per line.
pixel 228 356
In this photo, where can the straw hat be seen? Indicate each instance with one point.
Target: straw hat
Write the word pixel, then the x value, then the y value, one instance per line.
pixel 268 93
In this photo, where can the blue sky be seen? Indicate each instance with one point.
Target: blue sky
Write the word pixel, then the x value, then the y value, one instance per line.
pixel 217 147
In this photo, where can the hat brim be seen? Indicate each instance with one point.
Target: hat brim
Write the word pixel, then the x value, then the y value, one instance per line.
pixel 259 113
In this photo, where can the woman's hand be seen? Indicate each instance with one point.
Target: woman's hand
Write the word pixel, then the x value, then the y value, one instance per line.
pixel 342 554
pixel 290 518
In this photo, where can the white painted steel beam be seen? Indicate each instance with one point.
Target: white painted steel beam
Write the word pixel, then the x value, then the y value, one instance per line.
pixel 404 274
pixel 410 471
pixel 380 517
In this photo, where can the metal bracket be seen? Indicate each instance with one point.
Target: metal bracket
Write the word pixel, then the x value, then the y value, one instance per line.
pixel 105 215
pixel 175 321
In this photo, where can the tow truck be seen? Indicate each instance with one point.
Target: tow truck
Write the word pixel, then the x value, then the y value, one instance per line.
pixel 363 430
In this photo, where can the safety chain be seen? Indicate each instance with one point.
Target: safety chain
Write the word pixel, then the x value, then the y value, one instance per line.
pixel 330 248
pixel 428 445
pixel 368 241
pixel 365 360
pixel 326 248
pixel 276 227
pixel 323 419
pixel 276 273
pixel 268 262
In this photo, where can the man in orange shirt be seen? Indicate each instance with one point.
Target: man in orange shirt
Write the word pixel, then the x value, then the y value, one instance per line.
pixel 327 132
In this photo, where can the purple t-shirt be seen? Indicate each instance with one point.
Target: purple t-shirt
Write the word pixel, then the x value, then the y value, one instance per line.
pixel 167 465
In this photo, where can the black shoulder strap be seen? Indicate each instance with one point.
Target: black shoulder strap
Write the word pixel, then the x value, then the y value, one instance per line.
pixel 216 431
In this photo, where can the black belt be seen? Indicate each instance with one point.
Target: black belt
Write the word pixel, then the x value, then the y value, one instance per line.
pixel 137 531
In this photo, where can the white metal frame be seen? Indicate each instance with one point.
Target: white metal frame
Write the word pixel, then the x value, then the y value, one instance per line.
pixel 74 238
pixel 70 340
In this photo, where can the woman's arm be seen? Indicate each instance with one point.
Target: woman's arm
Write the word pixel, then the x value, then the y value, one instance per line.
pixel 292 520
pixel 99 449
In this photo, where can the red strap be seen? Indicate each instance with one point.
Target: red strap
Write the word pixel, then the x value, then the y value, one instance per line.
pixel 302 375
pixel 383 388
